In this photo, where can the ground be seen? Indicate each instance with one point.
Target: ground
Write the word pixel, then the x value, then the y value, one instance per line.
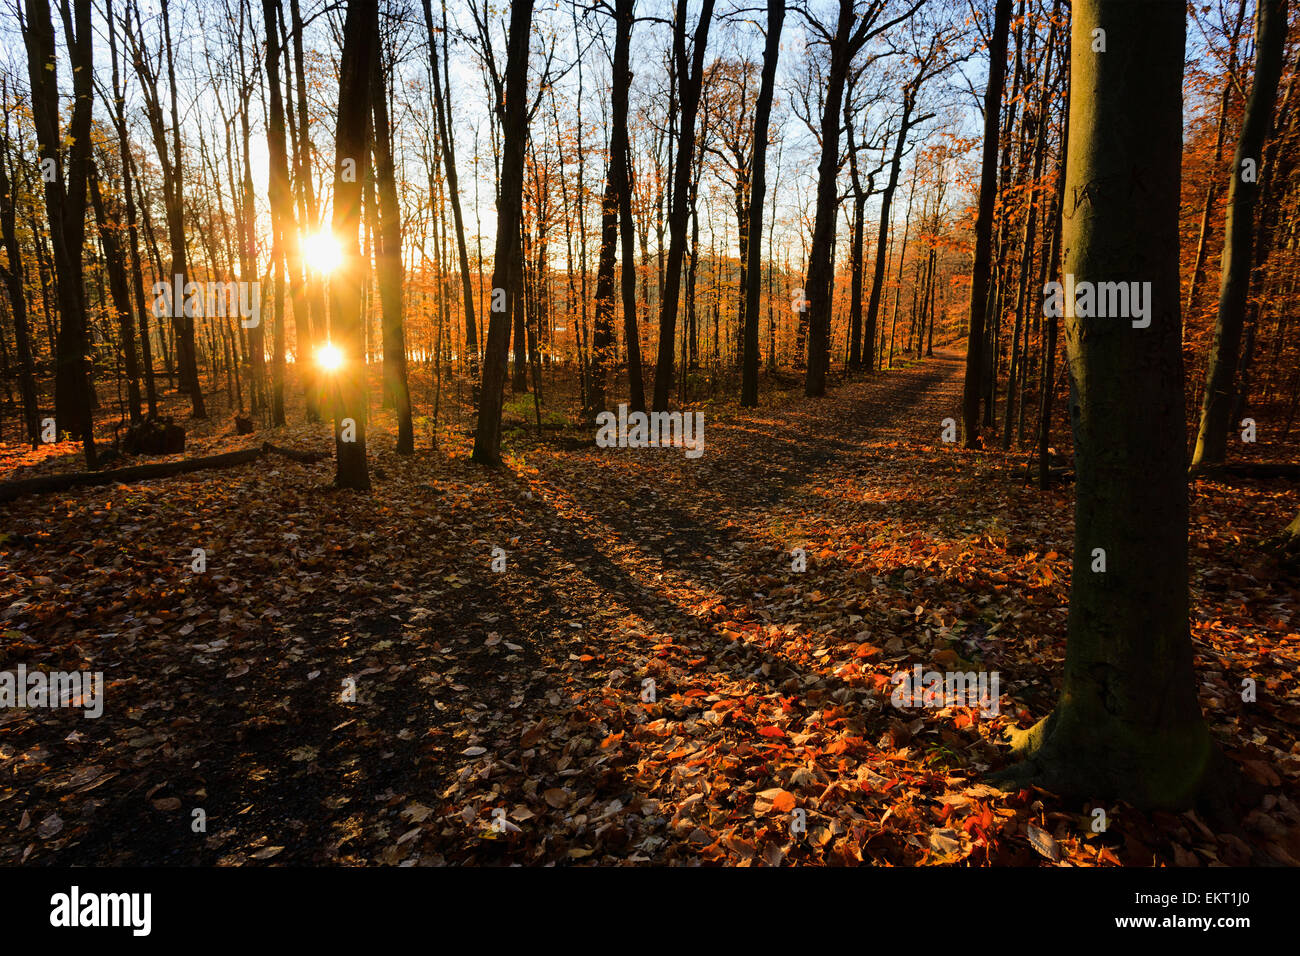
pixel 350 681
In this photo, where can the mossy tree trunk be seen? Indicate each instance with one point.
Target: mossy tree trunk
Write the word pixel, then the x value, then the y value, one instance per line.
pixel 1128 724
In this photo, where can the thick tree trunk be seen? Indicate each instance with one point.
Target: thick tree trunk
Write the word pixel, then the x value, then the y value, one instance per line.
pixel 616 192
pixel 65 201
pixel 1128 724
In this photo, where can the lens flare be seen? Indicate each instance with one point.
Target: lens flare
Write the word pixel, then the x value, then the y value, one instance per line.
pixel 329 358
pixel 322 252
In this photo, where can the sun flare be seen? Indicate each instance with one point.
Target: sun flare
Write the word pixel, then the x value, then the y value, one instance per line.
pixel 329 357
pixel 322 252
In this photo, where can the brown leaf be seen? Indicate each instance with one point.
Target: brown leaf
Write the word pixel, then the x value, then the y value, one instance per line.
pixel 1043 842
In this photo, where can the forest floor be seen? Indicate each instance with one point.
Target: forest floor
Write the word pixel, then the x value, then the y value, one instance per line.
pixel 504 717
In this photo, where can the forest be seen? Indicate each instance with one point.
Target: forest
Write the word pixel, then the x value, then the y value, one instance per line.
pixel 650 432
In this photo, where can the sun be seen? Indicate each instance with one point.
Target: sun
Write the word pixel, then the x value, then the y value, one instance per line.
pixel 322 252
pixel 329 357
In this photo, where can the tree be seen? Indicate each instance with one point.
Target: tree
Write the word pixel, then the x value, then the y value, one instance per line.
pixel 729 140
pixel 171 159
pixel 979 290
pixel 65 199
pixel 309 319
pixel 1239 235
pixel 120 290
pixel 927 64
pixel 758 195
pixel 616 208
pixel 690 76
pixel 1220 134
pixel 1127 724
pixel 621 154
pixel 12 275
pixel 280 202
pixel 360 39
pixel 602 339
pixel 513 111
pixel 441 108
pixel 857 237
pixel 132 229
pixel 388 262
pixel 850 35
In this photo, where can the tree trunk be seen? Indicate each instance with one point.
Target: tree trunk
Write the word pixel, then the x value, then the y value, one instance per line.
pixel 280 202
pixel 360 40
pixel 882 240
pixel 979 293
pixel 602 338
pixel 487 435
pixel 1051 268
pixel 1239 235
pixel 621 154
pixel 13 279
pixel 132 231
pixel 120 291
pixel 758 195
pixel 1212 192
pixel 389 264
pixel 65 201
pixel 1128 725
pixel 174 200
pixel 690 75
pixel 453 189
pixel 817 287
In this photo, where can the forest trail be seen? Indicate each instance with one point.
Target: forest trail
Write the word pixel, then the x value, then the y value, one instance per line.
pixel 325 693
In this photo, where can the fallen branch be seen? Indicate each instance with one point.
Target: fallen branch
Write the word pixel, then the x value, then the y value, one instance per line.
pixel 45 484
